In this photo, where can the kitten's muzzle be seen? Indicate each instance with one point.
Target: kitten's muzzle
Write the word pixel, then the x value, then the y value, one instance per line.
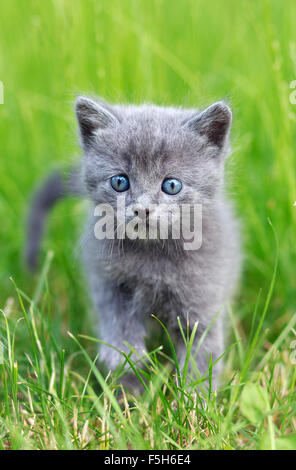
pixel 143 214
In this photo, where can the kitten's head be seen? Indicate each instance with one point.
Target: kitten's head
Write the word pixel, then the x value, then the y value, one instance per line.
pixel 152 155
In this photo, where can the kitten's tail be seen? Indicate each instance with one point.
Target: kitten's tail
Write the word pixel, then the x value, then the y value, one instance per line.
pixel 54 188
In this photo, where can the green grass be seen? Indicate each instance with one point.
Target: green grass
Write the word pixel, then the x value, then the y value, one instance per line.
pixel 184 52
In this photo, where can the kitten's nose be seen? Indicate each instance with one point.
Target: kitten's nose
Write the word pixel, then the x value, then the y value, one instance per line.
pixel 142 213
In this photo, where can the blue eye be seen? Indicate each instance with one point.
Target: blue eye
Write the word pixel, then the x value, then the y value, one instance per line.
pixel 120 183
pixel 171 186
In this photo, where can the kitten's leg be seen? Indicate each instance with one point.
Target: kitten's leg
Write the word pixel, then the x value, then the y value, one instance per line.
pixel 118 323
pixel 211 347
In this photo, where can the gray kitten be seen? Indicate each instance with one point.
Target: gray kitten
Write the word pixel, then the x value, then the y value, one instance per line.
pixel 156 156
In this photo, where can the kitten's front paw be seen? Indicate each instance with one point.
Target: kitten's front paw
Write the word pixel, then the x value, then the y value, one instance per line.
pixel 131 383
pixel 112 358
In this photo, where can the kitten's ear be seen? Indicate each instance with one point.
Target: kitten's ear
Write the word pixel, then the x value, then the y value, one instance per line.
pixel 214 123
pixel 91 117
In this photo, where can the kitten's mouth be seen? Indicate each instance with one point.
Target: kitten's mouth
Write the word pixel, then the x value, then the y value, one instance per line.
pixel 143 224
pixel 144 220
pixel 143 227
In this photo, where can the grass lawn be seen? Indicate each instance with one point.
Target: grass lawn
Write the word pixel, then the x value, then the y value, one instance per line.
pixel 181 52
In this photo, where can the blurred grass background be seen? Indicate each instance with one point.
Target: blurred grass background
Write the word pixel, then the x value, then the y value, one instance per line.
pixel 180 52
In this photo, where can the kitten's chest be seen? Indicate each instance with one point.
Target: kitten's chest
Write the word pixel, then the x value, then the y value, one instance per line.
pixel 142 269
pixel 154 284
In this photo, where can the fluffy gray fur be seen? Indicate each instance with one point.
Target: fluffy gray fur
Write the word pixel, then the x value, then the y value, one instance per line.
pixel 130 280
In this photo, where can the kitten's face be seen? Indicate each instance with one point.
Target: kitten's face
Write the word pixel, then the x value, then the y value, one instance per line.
pixel 152 157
